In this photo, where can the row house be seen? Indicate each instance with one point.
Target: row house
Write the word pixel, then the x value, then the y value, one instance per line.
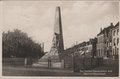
pixel 87 49
pixel 107 42
pixel 104 42
pixel 94 47
pixel 100 44
pixel 115 41
pixel 90 48
pixel 104 45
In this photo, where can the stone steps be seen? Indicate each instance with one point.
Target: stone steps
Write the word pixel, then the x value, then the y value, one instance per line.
pixel 41 64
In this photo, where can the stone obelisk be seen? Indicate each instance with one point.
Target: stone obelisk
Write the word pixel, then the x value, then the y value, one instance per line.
pixel 57 42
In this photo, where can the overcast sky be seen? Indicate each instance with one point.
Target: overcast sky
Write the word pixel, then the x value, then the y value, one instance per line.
pixel 80 20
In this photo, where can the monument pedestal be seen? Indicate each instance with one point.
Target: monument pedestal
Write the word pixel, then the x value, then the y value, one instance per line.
pixel 49 64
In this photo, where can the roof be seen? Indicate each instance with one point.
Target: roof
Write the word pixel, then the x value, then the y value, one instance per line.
pixel 101 32
pixel 105 29
pixel 116 26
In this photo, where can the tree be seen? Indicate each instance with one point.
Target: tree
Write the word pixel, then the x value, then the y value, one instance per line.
pixel 18 44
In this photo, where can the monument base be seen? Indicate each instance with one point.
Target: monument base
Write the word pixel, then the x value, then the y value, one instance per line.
pixel 49 64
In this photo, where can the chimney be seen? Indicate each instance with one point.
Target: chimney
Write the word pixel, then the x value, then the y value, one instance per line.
pixel 111 24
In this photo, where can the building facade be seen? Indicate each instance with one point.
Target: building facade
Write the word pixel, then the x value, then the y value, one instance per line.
pixel 87 48
pixel 100 44
pixel 115 41
pixel 104 43
pixel 108 41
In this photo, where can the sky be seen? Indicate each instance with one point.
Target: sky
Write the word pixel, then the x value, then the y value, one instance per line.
pixel 81 20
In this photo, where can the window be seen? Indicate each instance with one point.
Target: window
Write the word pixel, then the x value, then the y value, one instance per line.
pixel 114 41
pixel 117 31
pixel 117 41
pixel 114 33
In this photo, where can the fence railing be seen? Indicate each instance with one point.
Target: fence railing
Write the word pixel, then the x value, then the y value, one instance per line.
pixel 86 63
pixel 18 61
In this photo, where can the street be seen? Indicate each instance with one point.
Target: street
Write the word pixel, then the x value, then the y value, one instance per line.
pixel 31 71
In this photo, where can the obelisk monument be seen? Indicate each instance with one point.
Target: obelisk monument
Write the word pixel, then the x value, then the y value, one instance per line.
pixel 57 47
